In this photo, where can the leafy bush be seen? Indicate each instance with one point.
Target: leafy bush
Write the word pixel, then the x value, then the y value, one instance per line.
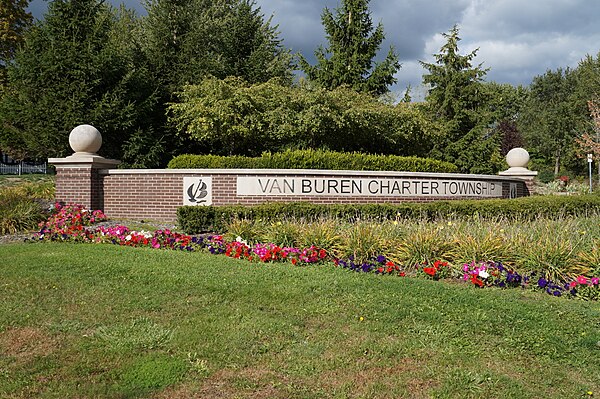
pixel 215 218
pixel 313 159
pixel 233 117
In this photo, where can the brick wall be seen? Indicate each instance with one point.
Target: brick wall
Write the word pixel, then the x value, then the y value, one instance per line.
pixel 156 194
pixel 76 185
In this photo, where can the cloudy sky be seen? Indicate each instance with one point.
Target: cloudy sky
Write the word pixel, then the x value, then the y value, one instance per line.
pixel 517 39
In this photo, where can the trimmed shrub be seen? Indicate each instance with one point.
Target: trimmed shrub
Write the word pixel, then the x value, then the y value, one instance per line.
pixel 195 219
pixel 314 159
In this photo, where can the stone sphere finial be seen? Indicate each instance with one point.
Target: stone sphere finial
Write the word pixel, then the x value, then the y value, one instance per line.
pixel 517 158
pixel 85 139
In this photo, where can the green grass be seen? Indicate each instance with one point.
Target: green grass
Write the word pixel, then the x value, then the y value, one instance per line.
pixel 16 180
pixel 100 321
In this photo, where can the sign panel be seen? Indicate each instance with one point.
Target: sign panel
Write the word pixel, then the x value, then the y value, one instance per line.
pixel 393 187
pixel 197 191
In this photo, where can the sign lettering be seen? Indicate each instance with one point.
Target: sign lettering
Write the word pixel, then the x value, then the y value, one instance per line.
pixel 393 187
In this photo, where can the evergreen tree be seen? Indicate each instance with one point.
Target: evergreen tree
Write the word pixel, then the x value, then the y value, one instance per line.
pixel 456 98
pixel 188 40
pixel 353 44
pixel 73 69
pixel 14 19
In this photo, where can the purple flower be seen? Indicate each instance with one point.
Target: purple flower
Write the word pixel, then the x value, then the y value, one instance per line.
pixel 542 282
pixel 381 259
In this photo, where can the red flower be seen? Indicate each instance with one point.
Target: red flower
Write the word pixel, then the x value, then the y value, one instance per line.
pixel 294 261
pixel 438 264
pixel 476 281
pixel 380 270
pixel 430 270
pixel 401 274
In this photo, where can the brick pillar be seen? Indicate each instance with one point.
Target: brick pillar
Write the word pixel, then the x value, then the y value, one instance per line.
pixel 77 177
pixel 78 180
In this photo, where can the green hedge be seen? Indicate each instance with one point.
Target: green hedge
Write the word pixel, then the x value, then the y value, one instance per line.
pixel 193 219
pixel 314 159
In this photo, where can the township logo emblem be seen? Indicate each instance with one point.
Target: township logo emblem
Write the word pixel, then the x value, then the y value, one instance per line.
pixel 197 191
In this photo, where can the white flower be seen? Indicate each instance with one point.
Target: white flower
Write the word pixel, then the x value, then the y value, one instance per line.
pixel 241 240
pixel 128 237
pixel 483 274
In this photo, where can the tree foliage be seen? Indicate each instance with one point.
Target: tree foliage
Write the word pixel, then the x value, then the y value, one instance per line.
pixel 74 68
pixel 557 113
pixel 14 19
pixel 589 142
pixel 457 98
pixel 233 117
pixel 549 121
pixel 353 45
pixel 187 40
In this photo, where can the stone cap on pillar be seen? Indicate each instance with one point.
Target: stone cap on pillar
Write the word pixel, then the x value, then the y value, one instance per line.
pixel 85 140
pixel 517 160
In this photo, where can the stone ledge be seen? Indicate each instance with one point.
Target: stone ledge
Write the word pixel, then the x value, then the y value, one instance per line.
pixel 84 161
pixel 300 173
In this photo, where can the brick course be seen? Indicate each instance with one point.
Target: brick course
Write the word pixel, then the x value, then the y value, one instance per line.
pixel 156 194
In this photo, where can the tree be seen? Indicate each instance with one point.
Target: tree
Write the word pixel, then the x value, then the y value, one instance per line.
pixel 73 69
pixel 353 45
pixel 14 19
pixel 589 142
pixel 550 119
pixel 509 135
pixel 502 109
pixel 187 40
pixel 456 98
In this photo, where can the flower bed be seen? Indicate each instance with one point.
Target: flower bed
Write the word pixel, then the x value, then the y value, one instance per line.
pixel 75 224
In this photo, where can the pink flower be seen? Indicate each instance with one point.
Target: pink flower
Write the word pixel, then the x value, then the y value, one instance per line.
pixel 573 284
pixel 595 280
pixel 155 243
pixel 582 280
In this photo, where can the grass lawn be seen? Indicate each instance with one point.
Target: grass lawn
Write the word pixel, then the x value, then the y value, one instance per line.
pixel 101 321
pixel 15 180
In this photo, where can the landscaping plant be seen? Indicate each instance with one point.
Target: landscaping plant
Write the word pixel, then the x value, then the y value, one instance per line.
pixel 420 250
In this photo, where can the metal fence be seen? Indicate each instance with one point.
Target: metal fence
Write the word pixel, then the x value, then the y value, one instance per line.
pixel 21 168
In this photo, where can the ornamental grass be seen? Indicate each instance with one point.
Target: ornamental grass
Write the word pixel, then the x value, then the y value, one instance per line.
pixel 19 212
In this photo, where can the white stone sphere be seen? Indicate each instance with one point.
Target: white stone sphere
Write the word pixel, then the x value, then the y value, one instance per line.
pixel 517 158
pixel 85 138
